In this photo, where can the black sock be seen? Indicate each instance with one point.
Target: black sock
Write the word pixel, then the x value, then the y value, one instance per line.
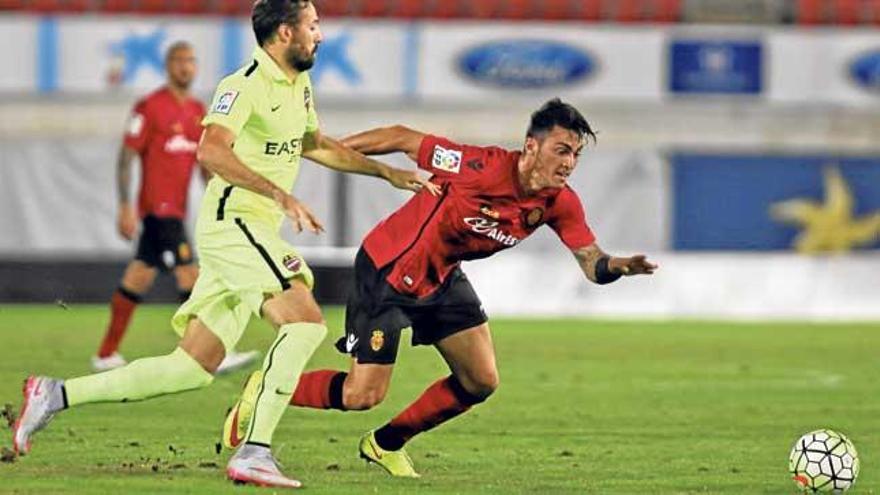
pixel 388 438
pixel 336 384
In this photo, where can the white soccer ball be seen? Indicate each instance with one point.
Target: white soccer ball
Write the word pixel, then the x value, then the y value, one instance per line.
pixel 824 461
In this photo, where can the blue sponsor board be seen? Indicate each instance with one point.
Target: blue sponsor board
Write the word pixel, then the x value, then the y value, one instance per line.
pixel 526 64
pixel 716 67
pixel 865 70
pixel 731 202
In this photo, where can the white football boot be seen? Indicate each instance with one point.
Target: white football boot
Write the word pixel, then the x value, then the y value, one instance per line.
pixel 42 399
pixel 254 464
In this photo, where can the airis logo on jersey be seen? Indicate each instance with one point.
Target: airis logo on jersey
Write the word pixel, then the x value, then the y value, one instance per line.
pixel 180 144
pixel 489 228
pixel 225 102
pixel 448 160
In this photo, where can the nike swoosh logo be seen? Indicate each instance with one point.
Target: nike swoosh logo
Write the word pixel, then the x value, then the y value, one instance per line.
pixel 375 451
pixel 281 392
pixel 276 108
pixel 234 439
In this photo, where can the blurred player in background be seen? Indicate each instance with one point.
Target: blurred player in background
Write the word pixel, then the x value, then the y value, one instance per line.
pixel 408 275
pixel 266 111
pixel 163 130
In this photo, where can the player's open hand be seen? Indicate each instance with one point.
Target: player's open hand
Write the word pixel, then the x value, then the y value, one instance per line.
pixel 634 265
pixel 127 222
pixel 411 181
pixel 299 214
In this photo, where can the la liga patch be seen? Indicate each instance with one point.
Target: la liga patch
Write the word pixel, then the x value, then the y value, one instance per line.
pixel 224 102
pixel 445 159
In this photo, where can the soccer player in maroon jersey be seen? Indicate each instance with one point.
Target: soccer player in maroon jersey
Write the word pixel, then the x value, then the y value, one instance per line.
pixel 163 131
pixel 407 272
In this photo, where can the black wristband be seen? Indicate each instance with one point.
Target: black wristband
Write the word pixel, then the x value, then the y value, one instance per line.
pixel 603 274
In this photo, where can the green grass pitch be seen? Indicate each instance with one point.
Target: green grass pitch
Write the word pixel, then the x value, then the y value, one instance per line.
pixel 584 407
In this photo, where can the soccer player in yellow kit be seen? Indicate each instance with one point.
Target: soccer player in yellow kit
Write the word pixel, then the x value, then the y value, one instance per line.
pixel 262 120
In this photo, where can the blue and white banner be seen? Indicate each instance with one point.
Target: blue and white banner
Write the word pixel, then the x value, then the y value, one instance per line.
pixel 499 61
pixel 95 55
pixel 459 61
pixel 356 60
pixel 830 67
pixel 71 54
pixel 711 66
pixel 810 203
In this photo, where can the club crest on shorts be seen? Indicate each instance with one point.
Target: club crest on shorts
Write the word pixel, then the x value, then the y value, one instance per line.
pixel 534 217
pixel 184 253
pixel 377 341
pixel 292 262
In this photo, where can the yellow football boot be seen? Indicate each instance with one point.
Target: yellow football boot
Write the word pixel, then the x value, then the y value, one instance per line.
pixel 396 462
pixel 238 418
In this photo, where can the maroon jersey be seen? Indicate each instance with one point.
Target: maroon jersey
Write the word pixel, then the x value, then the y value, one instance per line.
pixel 481 211
pixel 165 132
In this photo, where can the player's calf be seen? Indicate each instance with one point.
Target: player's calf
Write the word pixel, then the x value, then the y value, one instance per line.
pixel 362 399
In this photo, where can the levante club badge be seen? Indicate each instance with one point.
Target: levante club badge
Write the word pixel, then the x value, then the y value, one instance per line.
pixel 292 263
pixel 377 340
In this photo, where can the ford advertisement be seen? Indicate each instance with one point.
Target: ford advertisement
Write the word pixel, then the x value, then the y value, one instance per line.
pixel 526 64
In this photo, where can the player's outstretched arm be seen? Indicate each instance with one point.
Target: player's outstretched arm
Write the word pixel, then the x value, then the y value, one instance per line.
pixel 601 268
pixel 334 154
pixel 384 140
pixel 215 153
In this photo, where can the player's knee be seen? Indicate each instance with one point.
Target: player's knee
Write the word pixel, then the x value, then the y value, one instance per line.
pixel 361 400
pixel 483 384
pixel 179 371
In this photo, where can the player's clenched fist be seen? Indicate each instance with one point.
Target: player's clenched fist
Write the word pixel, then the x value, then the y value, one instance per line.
pixel 300 214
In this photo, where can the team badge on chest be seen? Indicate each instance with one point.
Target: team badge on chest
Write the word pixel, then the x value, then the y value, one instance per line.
pixel 307 98
pixel 489 212
pixel 534 217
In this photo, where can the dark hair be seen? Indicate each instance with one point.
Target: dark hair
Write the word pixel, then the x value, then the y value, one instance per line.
pixel 556 112
pixel 267 15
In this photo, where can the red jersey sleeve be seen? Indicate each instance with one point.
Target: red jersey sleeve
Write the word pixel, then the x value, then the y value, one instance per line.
pixel 137 128
pixel 567 219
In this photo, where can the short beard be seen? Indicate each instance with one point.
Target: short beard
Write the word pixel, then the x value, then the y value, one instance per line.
pixel 300 64
pixel 184 85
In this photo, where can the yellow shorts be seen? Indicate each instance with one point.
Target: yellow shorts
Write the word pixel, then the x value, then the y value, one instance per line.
pixel 240 263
